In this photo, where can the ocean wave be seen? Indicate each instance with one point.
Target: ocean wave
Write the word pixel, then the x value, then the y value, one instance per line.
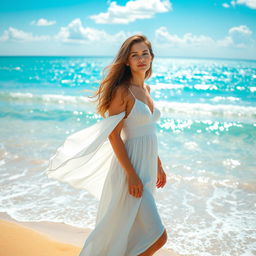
pixel 221 98
pixel 196 110
pixel 28 97
pixel 210 181
pixel 167 108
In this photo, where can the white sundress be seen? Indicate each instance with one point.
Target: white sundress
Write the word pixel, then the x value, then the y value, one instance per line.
pixel 125 225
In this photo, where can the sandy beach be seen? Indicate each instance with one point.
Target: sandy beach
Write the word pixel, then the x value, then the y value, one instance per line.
pixel 44 238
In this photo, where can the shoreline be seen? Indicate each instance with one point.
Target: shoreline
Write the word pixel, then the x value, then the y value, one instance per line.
pixel 55 238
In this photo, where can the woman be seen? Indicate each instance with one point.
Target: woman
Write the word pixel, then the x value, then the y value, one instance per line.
pixel 117 160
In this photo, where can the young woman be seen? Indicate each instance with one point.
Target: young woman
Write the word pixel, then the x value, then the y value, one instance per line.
pixel 117 160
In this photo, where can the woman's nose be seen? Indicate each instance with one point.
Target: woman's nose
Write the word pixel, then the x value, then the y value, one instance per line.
pixel 139 57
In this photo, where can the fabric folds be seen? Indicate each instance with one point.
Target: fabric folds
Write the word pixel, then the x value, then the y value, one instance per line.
pixel 83 160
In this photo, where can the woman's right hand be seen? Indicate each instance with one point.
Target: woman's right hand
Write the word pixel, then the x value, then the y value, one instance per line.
pixel 135 185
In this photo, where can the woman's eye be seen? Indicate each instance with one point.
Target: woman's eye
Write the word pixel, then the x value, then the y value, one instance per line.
pixel 142 54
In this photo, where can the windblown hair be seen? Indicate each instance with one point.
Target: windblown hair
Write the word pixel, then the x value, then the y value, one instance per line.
pixel 118 73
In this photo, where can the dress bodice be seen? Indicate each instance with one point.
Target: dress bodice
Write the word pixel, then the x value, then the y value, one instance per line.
pixel 140 121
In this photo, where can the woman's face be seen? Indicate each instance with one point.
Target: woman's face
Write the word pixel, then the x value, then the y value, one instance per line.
pixel 139 58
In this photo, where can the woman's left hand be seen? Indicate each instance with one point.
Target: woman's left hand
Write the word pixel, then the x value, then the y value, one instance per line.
pixel 161 177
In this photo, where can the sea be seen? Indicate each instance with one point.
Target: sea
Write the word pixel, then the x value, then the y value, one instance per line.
pixel 206 136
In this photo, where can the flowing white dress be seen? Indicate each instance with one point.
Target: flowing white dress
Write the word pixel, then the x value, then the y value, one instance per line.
pixel 125 225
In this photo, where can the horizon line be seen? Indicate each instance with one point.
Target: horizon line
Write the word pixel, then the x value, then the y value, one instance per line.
pixel 111 56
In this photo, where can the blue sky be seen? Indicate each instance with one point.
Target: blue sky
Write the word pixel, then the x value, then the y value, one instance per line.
pixel 202 28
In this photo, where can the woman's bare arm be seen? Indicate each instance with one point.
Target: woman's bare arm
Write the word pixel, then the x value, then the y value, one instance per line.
pixel 159 163
pixel 118 105
pixel 161 175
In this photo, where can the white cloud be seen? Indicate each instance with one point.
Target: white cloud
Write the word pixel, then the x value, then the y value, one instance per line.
pixel 43 22
pixel 133 10
pixel 13 34
pixel 225 42
pixel 225 5
pixel 163 36
pixel 249 3
pixel 74 32
pixel 238 37
pixel 241 30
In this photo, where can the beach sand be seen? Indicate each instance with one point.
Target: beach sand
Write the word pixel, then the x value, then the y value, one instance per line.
pixel 45 239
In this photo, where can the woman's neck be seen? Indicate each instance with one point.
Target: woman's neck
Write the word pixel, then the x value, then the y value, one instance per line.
pixel 137 81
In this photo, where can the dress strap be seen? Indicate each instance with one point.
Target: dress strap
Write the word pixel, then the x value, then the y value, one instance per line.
pixel 131 92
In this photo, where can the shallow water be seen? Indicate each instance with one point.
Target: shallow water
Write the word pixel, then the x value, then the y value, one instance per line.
pixel 206 140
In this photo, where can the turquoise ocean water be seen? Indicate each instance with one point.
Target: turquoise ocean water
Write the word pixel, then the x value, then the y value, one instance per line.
pixel 206 134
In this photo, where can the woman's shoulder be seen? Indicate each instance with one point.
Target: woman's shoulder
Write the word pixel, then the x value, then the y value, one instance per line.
pixel 148 87
pixel 120 95
pixel 118 101
pixel 121 91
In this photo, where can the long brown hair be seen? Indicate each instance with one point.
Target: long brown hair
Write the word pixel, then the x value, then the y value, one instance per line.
pixel 118 73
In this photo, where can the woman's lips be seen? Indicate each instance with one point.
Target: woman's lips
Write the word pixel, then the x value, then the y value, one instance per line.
pixel 142 65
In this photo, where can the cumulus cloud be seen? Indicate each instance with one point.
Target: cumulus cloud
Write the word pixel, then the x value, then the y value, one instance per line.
pixel 241 30
pixel 241 35
pixel 225 42
pixel 163 36
pixel 133 10
pixel 249 3
pixel 43 22
pixel 238 37
pixel 13 34
pixel 74 32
